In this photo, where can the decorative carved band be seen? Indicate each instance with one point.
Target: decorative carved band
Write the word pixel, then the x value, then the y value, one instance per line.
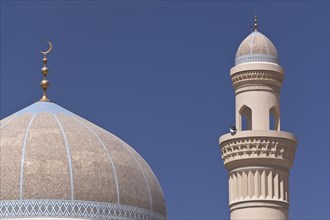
pixel 257 147
pixel 260 74
pixel 261 203
pixel 241 77
pixel 257 87
pixel 72 209
pixel 258 184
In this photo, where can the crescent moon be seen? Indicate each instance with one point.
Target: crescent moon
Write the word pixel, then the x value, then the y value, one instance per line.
pixel 50 48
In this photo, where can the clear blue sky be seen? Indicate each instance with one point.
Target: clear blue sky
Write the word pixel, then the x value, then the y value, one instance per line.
pixel 157 75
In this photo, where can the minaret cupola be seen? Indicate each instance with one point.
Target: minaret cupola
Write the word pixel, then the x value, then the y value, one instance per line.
pixel 257 78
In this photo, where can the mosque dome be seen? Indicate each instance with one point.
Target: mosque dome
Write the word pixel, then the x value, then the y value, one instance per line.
pixel 55 164
pixel 256 48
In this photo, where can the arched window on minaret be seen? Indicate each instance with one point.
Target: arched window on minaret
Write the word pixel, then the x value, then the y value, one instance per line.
pixel 245 118
pixel 274 119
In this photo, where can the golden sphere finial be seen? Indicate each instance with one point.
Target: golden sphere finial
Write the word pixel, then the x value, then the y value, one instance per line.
pixel 255 23
pixel 44 70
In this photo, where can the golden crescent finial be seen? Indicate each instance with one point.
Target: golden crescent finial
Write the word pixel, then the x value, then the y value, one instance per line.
pixel 44 83
pixel 49 49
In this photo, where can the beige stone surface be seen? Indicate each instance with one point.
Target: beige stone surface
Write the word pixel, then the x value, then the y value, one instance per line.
pixel 258 183
pixel 11 141
pixel 245 47
pixel 272 67
pixel 133 159
pixel 45 171
pixel 259 45
pixel 91 169
pixel 158 202
pixel 133 188
pixel 259 213
pixel 6 120
pixel 257 86
pixel 256 43
pixel 65 157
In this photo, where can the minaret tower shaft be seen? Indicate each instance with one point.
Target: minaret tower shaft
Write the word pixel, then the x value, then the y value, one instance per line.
pixel 258 155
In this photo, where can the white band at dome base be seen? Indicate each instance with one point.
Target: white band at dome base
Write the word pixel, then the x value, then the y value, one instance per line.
pixel 72 209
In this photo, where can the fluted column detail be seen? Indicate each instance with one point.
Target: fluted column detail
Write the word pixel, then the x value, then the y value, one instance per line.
pixel 258 184
pixel 258 164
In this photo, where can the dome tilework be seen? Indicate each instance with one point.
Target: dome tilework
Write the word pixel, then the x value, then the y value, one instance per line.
pixel 256 47
pixel 12 135
pixel 245 48
pixel 45 171
pixel 51 154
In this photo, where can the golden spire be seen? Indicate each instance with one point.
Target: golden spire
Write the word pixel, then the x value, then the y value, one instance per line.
pixel 255 23
pixel 44 83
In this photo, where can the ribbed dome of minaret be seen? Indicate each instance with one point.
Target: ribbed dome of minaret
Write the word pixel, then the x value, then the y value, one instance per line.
pixel 256 47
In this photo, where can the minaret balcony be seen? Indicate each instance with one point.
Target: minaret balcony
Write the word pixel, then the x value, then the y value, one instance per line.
pixel 258 147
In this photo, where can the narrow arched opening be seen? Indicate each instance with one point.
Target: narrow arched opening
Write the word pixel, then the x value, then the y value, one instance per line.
pixel 274 119
pixel 246 118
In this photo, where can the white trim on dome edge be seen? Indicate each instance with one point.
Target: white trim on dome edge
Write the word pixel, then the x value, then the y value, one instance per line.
pixel 23 158
pixel 50 208
pixel 256 58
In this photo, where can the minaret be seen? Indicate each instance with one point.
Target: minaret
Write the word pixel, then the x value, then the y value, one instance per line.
pixel 257 154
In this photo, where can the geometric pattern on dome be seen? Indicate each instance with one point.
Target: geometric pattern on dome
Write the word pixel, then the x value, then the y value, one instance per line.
pixel 256 47
pixel 51 154
pixel 73 209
